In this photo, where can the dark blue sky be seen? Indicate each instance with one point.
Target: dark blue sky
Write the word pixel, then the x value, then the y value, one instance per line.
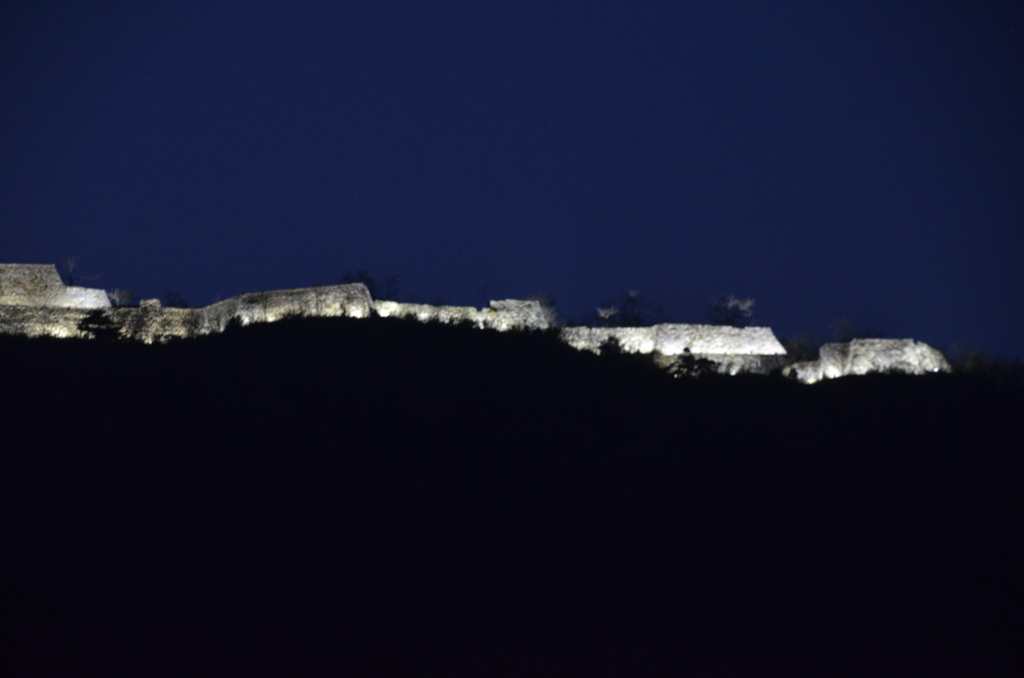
pixel 864 160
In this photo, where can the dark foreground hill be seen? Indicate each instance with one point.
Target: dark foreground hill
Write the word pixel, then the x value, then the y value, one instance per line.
pixel 373 497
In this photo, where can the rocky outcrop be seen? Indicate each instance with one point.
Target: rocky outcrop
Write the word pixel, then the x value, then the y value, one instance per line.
pixel 673 339
pixel 863 356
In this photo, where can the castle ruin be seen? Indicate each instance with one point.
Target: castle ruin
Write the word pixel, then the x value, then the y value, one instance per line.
pixel 34 302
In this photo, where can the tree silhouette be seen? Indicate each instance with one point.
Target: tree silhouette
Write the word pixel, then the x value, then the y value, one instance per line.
pixel 122 297
pixel 549 307
pixel 844 330
pixel 629 310
pixel 728 310
pixel 67 267
pixel 98 324
pixel 801 349
pixel 689 365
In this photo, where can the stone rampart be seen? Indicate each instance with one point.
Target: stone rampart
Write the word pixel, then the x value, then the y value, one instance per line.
pixel 33 285
pixel 42 321
pixel 426 313
pixel 87 297
pixel 80 312
pixel 39 285
pixel 149 322
pixel 527 314
pixel 352 300
pixel 863 356
pixel 34 302
pixel 509 314
pixel 677 339
pixel 145 324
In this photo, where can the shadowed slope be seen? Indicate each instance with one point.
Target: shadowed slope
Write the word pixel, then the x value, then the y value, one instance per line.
pixel 377 497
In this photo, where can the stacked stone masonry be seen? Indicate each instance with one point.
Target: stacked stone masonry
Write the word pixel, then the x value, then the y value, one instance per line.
pixel 34 302
pixel 863 356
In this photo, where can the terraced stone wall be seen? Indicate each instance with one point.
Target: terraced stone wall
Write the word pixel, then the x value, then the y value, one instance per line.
pixel 673 339
pixel 149 322
pixel 33 285
pixel 508 314
pixel 864 356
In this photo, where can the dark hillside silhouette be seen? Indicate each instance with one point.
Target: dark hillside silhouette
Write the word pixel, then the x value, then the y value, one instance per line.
pixel 382 497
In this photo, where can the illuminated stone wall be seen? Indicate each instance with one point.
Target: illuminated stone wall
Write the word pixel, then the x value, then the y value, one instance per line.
pixel 673 339
pixel 87 297
pixel 509 314
pixel 34 302
pixel 864 356
pixel 149 322
pixel 352 300
pixel 33 285
pixel 39 285
pixel 41 321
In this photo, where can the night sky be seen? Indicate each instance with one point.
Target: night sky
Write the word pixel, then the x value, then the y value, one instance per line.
pixel 861 160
